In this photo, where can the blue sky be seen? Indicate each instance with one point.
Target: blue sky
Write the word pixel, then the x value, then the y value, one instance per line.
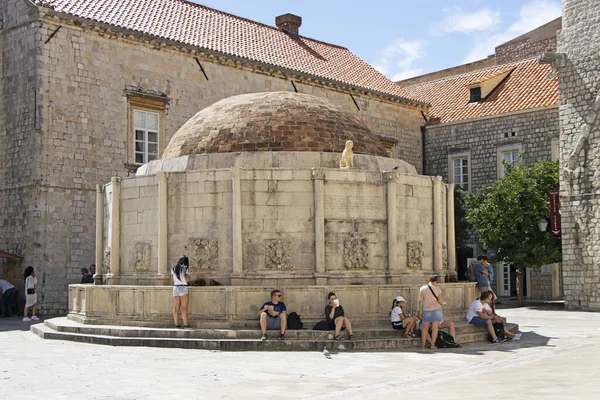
pixel 405 38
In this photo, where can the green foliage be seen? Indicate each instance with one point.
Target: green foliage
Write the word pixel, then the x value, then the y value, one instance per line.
pixel 461 226
pixel 506 215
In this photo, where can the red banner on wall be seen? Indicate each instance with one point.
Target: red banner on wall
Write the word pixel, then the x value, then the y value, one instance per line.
pixel 554 213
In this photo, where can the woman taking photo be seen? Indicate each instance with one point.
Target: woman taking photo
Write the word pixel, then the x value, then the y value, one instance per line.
pixel 181 276
pixel 30 294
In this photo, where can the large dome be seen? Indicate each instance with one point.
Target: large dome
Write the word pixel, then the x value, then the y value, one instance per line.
pixel 273 121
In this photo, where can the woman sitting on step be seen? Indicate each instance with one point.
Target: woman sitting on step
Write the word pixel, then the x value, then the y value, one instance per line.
pixel 400 320
pixel 335 318
pixel 181 276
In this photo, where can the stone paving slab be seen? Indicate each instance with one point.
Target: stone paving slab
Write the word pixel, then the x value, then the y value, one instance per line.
pixel 557 358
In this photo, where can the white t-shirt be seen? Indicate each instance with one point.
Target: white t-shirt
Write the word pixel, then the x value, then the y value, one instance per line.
pixel 30 282
pixel 5 285
pixel 474 309
pixel 395 316
pixel 177 280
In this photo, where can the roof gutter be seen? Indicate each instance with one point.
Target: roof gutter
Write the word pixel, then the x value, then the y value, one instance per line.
pixel 89 22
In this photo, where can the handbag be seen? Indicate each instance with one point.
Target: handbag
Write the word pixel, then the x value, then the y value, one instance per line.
pixel 31 290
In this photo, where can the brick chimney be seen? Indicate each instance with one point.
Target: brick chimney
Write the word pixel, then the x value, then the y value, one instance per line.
pixel 289 22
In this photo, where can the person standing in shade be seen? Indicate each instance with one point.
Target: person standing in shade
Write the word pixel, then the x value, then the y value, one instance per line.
pixel 336 318
pixel 273 315
pixel 30 295
pixel 180 275
pixel 484 275
pixel 7 291
pixel 86 277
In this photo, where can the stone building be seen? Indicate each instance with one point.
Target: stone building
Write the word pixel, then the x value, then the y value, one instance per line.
pixel 482 116
pixel 577 63
pixel 93 89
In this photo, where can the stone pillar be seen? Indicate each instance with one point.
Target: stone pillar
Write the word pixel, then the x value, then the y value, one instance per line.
pixel 99 234
pixel 318 177
pixel 438 226
pixel 556 278
pixel 236 222
pixel 392 224
pixel 451 239
pixel 163 227
pixel 115 233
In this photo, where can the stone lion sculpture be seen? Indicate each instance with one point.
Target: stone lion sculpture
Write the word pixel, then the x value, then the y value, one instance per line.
pixel 347 160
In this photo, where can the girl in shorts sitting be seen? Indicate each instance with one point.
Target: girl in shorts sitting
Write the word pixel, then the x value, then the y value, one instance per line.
pixel 400 320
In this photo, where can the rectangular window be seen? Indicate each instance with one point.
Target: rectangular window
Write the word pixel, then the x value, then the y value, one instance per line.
pixel 511 154
pixel 146 128
pixel 460 169
pixel 475 95
pixel 511 157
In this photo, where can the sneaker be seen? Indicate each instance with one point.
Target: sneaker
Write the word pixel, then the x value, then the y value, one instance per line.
pixel 263 337
pixel 505 339
pixel 496 340
pixel 281 336
pixel 34 318
pixel 517 337
pixel 26 319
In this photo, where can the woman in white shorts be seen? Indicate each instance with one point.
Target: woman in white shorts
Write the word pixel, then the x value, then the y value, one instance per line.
pixel 30 294
pixel 181 277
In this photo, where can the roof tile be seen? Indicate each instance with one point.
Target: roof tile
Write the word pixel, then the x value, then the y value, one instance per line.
pixel 527 87
pixel 203 27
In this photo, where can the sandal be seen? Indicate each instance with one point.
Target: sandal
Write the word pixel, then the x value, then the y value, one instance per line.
pixel 337 337
pixel 351 337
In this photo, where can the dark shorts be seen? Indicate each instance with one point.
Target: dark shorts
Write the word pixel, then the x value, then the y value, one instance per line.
pixel 478 321
pixel 397 325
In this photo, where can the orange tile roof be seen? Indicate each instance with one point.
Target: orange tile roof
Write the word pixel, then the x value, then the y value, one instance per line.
pixel 207 28
pixel 526 87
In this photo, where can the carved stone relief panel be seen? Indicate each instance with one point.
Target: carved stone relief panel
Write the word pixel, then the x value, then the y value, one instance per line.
pixel 278 254
pixel 203 253
pixel 106 261
pixel 415 255
pixel 356 254
pixel 140 257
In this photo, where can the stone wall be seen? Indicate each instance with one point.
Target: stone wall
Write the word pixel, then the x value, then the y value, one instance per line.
pixel 487 62
pixel 279 227
pixel 484 137
pixel 237 307
pixel 82 77
pixel 579 87
pixel 19 151
pixel 529 45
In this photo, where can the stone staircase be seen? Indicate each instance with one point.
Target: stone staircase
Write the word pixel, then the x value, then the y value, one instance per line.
pixel 366 339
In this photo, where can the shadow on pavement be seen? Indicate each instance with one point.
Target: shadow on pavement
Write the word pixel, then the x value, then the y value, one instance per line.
pixel 16 324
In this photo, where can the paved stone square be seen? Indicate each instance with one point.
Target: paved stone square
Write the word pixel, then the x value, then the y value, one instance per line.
pixel 556 359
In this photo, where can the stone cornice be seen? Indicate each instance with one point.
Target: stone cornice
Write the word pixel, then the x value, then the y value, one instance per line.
pixel 110 31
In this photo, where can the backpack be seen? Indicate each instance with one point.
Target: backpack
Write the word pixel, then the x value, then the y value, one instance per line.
pixel 321 326
pixel 294 321
pixel 470 272
pixel 445 340
pixel 498 330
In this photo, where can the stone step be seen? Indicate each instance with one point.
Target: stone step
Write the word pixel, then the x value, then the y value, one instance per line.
pixel 157 338
pixel 62 324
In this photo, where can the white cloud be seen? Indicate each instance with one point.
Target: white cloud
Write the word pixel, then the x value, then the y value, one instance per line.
pixel 532 15
pixel 456 20
pixel 397 58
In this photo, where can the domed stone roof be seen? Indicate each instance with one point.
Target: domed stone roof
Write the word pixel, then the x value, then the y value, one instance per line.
pixel 273 121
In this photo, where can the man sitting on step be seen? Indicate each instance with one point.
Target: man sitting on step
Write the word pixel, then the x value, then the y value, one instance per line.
pixel 273 315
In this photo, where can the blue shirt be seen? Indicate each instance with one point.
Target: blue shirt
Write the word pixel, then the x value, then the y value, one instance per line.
pixel 279 307
pixel 481 279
